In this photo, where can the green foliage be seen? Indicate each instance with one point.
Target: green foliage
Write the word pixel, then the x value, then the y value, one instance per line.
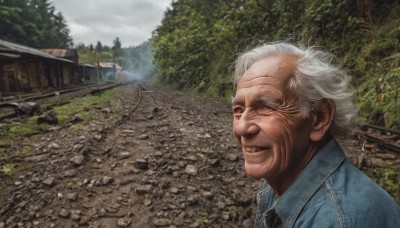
pixel 8 169
pixel 196 44
pixel 388 178
pixel 33 23
pixel 78 108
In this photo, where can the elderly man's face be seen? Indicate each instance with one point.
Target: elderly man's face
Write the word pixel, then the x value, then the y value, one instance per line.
pixel 273 135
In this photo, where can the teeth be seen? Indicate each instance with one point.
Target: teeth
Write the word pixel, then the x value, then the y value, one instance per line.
pixel 253 149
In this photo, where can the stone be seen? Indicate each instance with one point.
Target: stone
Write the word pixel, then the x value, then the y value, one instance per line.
pixel 232 157
pixel 159 222
pixel 147 202
pixel 124 155
pixel 143 137
pixel 70 173
pixel 247 223
pixel 141 163
pixel 107 180
pixel 75 217
pixel 78 159
pixel 48 181
pixel 143 189
pixel 63 213
pixel 124 222
pixel 72 196
pixel 191 170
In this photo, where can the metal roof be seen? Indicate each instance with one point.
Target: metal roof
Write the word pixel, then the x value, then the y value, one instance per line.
pixel 62 53
pixel 109 65
pixel 7 48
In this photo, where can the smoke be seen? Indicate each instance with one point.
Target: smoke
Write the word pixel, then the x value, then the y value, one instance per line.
pixel 139 63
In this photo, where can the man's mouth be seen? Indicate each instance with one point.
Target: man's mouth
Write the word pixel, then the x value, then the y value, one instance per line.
pixel 254 149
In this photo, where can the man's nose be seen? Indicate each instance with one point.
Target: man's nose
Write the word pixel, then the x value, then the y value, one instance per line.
pixel 246 125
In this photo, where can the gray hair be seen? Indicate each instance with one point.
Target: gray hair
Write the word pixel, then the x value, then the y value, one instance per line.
pixel 316 77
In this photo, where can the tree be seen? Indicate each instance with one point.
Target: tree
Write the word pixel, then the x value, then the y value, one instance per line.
pixel 33 23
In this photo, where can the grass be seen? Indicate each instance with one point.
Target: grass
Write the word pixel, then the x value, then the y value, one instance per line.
pixel 388 178
pixel 77 109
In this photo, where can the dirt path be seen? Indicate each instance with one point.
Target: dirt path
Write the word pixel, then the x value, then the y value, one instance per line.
pixel 170 162
pixel 167 161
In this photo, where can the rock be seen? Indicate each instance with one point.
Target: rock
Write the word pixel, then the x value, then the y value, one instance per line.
pixel 63 213
pixel 78 159
pixel 128 131
pixel 158 222
pixel 124 222
pixel 106 110
pixel 191 170
pixel 147 202
pixel 141 163
pixel 124 155
pixel 60 195
pixel 107 180
pixel 143 189
pixel 225 215
pixel 247 223
pixel 208 195
pixel 376 162
pixel 191 158
pixel 54 145
pixel 143 137
pixel 174 190
pixel 49 117
pixel 70 173
pixel 72 196
pixel 232 157
pixel 75 217
pixel 48 181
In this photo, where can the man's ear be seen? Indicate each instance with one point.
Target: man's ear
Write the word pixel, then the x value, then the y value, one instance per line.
pixel 322 119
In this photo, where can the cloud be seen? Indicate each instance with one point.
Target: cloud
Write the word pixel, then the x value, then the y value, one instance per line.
pixel 102 20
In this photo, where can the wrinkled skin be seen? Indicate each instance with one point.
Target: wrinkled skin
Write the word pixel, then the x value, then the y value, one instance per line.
pixel 274 137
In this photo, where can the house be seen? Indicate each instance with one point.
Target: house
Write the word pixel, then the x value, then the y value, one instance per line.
pixel 88 72
pixel 69 54
pixel 24 69
pixel 109 70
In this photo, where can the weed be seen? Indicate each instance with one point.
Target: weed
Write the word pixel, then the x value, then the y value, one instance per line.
pixel 8 169
pixel 388 178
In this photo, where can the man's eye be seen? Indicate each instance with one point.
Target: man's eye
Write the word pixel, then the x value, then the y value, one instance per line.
pixel 238 111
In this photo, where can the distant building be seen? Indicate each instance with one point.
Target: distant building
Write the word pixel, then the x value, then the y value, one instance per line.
pixel 69 54
pixel 109 70
pixel 23 69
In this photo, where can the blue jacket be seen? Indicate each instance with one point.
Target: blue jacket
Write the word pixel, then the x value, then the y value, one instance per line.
pixel 329 192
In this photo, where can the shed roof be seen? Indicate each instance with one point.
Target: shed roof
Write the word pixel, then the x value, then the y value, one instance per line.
pixel 109 65
pixel 62 53
pixel 15 50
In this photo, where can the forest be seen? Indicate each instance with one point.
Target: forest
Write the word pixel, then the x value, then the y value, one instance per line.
pixel 197 42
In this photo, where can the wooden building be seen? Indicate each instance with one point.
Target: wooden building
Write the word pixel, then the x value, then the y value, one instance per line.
pixel 109 70
pixel 24 69
pixel 88 72
pixel 69 54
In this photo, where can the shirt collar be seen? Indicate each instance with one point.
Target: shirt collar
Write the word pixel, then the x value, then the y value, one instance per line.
pixel 324 163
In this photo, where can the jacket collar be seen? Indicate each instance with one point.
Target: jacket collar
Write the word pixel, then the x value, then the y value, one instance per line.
pixel 325 162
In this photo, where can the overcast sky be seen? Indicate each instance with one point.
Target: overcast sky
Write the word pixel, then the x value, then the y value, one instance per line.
pixel 132 21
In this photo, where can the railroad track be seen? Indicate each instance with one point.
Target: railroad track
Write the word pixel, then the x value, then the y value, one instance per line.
pixel 386 138
pixel 24 106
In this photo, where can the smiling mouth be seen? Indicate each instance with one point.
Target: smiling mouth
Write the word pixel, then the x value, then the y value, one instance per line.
pixel 255 149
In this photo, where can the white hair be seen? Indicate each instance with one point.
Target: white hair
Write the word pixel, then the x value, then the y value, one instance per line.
pixel 316 77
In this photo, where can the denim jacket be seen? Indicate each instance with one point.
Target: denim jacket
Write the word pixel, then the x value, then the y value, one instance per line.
pixel 329 192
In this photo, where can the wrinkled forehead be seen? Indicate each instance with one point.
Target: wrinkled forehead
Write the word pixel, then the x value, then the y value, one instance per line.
pixel 273 70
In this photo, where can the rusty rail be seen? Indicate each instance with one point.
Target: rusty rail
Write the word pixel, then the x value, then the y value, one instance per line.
pixel 386 138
